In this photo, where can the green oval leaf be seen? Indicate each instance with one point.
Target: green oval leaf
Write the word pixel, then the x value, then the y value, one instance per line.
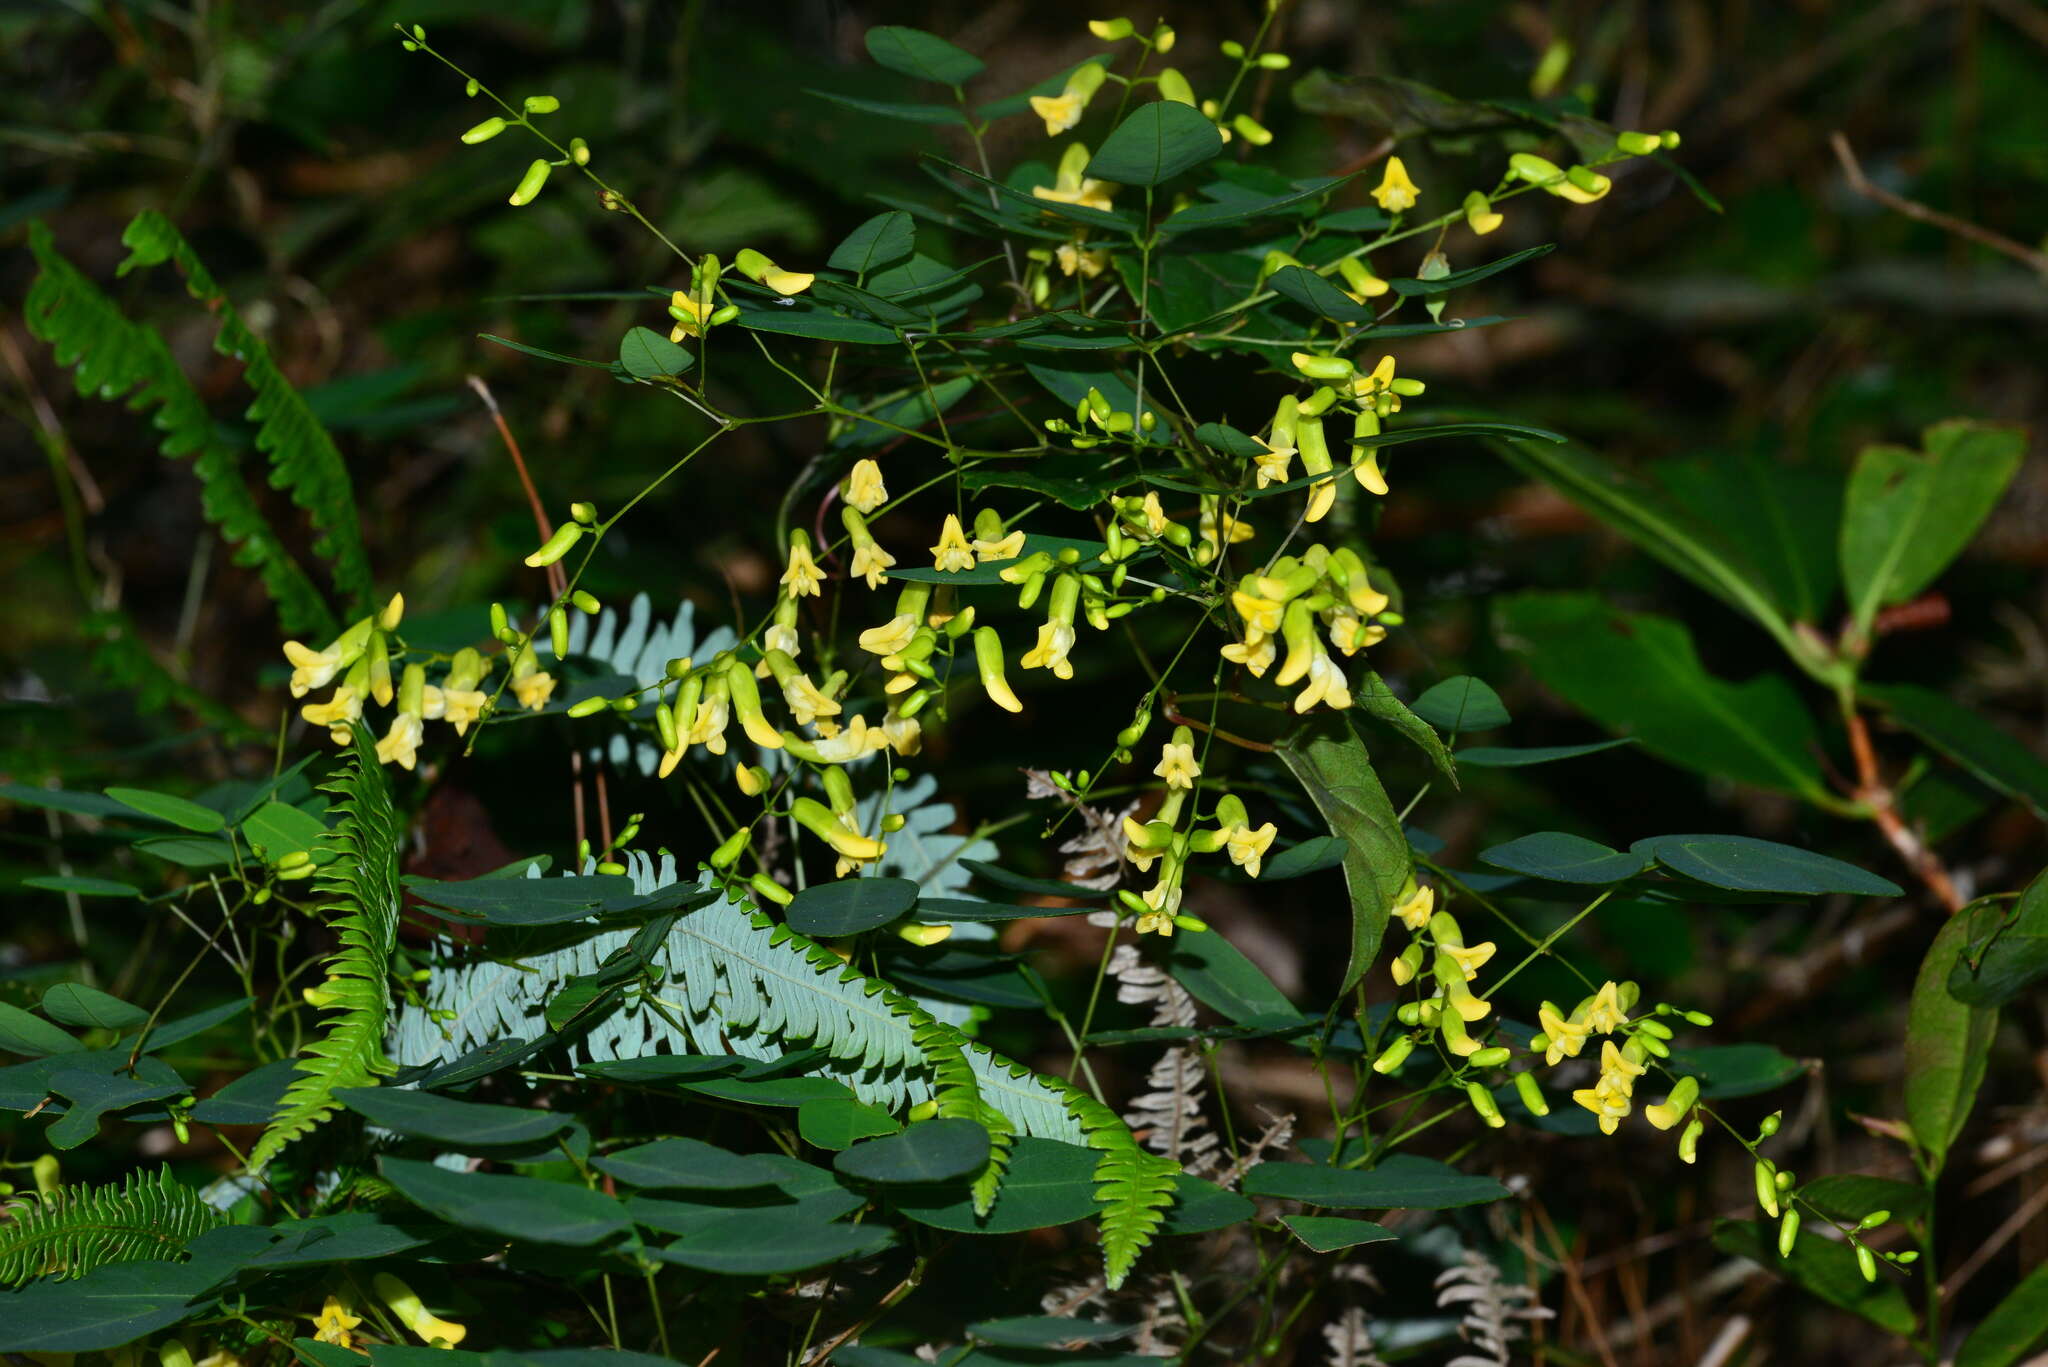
pixel 941 1150
pixel 688 1164
pixel 1948 1043
pixel 849 906
pixel 1516 757
pixel 88 1008
pixel 837 1123
pixel 176 810
pixel 521 1208
pixel 1329 1233
pixel 22 1033
pixel 1401 1181
pixel 424 1115
pixel 1155 143
pixel 882 241
pixel 1561 858
pixel 1046 1332
pixel 83 887
pixel 925 56
pixel 274 830
pixel 759 1243
pixel 1047 1183
pixel 1461 704
pixel 647 355
pixel 1744 864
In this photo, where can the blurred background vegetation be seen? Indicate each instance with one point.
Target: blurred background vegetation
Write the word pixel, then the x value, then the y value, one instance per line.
pixel 316 168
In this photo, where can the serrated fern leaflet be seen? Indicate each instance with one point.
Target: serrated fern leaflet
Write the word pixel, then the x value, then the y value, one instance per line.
pixel 76 1229
pixel 360 886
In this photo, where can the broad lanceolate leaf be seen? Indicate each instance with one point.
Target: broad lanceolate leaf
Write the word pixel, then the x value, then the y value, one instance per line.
pixel 176 810
pixel 688 1164
pixel 1824 1267
pixel 31 1035
pixel 938 1150
pixel 1334 769
pixel 2015 1326
pixel 1562 858
pixel 424 1115
pixel 1155 143
pixel 1399 1182
pixel 1638 673
pixel 1969 738
pixel 1744 864
pixel 1218 975
pixel 523 1208
pixel 1909 513
pixel 88 1008
pixel 1521 756
pixel 925 56
pixel 1329 1233
pixel 1376 700
pixel 1948 1042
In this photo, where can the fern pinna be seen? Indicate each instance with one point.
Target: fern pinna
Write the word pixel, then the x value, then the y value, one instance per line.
pixel 73 1230
pixel 360 885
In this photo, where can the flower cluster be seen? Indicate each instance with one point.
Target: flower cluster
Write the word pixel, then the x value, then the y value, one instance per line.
pixel 1164 841
pixel 362 657
pixel 1289 601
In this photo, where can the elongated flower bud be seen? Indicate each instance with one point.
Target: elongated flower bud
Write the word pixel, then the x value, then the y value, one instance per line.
pixel 556 546
pixel 821 821
pixel 1531 1093
pixel 988 663
pixel 485 131
pixel 1483 1102
pixel 746 705
pixel 1394 1055
pixel 413 1314
pixel 1788 1233
pixel 530 184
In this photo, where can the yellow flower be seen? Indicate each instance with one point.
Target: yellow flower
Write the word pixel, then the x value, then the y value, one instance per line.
pixel 1072 187
pixel 952 553
pixel 1155 923
pixel 1055 640
pixel 1480 215
pixel 805 700
pixel 905 735
pixel 1060 112
pixel 333 1323
pixel 531 684
pixel 1469 958
pixel 1177 765
pixel 1603 1014
pixel 890 638
pixel 757 267
pixel 864 488
pixel 220 1357
pixel 337 712
pixel 311 669
pixel 1417 908
pixel 1003 548
pixel 1074 257
pixel 708 730
pixel 414 1315
pixel 1218 528
pixel 1274 461
pixel 1351 633
pixel 1248 847
pixel 1260 613
pixel 1256 652
pixel 1164 897
pixel 688 313
pixel 1153 513
pixel 1565 1037
pixel 1377 381
pixel 401 742
pixel 1326 684
pixel 871 562
pixel 1395 192
pixel 1610 1106
pixel 857 738
pixel 803 577
pixel 1617 1069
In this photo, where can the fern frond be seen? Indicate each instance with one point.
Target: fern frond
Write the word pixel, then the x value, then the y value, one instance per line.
pixel 361 888
pixel 1133 1187
pixel 303 459
pixel 957 1090
pixel 112 357
pixel 76 1229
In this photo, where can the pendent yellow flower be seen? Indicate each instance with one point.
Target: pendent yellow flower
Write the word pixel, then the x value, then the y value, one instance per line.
pixel 333 1323
pixel 1177 760
pixel 1064 110
pixel 864 488
pixel 1072 187
pixel 953 552
pixel 1395 191
pixel 802 577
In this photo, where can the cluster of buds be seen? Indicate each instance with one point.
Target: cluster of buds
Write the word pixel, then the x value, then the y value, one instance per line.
pixel 1097 420
pixel 1438 949
pixel 1164 840
pixel 915 642
pixel 1071 591
pixel 1611 1098
pixel 1777 1195
pixel 361 658
pixel 1297 427
pixel 1288 603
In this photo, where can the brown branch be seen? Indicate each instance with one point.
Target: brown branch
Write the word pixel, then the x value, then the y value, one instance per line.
pixel 556 582
pixel 1876 794
pixel 1919 212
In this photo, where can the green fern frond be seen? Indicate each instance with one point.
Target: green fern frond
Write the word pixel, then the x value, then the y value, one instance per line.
pixel 76 1229
pixel 957 1091
pixel 113 357
pixel 304 461
pixel 361 888
pixel 1133 1185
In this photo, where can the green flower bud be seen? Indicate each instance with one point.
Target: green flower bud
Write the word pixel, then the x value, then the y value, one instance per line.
pixel 556 546
pixel 485 131
pixel 586 602
pixel 589 707
pixel 1788 1233
pixel 1531 1094
pixel 530 184
pixel 542 104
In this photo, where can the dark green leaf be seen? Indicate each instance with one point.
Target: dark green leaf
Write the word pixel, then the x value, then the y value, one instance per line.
pixel 1220 977
pixel 1461 704
pixel 1824 1267
pixel 88 1008
pixel 929 1151
pixel 66 800
pixel 1376 700
pixel 1972 740
pixel 93 1093
pixel 837 1123
pixel 1910 513
pixel 1732 1070
pixel 1745 864
pixel 882 241
pixel 848 906
pixel 1044 887
pixel 424 1115
pixel 1200 1206
pixel 1312 855
pixel 1339 779
pixel 1638 673
pixel 2007 953
pixel 188 851
pixel 778 1091
pixel 1851 1196
pixel 1230 213
pixel 1316 294
pixel 774 1240
pixel 1401 1182
pixel 1070 381
pixel 647 355
pixel 1561 858
pixel 22 1033
pixel 175 810
pixel 1331 1233
pixel 551 901
pixel 1227 439
pixel 1155 143
pixel 686 1164
pixel 954 909
pixel 1047 1183
pixel 817 325
pixel 252 1098
pixel 274 830
pixel 925 56
pixel 1046 1331
pixel 895 109
pixel 2016 1325
pixel 1948 1043
pixel 350 1236
pixel 546 355
pixel 106 1308
pixel 167 1033
pixel 1515 757
pixel 661 1069
pixel 523 1208
pixel 912 411
pixel 83 887
pixel 1472 275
